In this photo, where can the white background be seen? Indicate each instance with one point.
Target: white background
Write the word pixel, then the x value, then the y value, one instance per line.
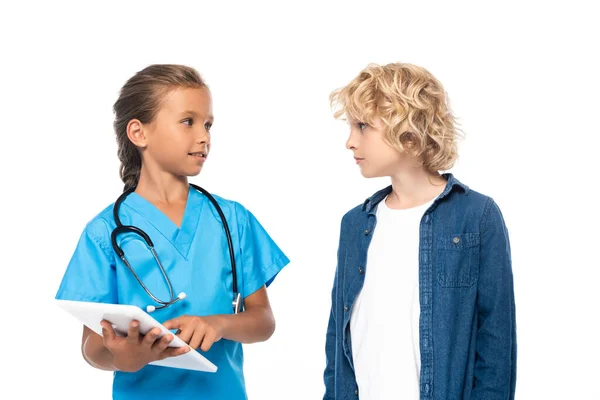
pixel 523 79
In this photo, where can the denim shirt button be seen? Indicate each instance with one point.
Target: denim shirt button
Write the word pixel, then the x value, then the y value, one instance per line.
pixel 356 392
pixel 366 232
pixel 345 308
pixel 361 270
pixel 427 388
pixel 456 239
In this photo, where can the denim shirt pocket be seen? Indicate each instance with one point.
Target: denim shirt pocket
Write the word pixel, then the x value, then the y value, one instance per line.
pixel 457 259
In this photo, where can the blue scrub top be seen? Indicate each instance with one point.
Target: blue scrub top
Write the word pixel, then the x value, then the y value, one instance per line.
pixel 196 259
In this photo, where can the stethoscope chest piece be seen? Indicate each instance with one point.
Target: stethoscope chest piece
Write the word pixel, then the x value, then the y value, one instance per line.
pixel 237 303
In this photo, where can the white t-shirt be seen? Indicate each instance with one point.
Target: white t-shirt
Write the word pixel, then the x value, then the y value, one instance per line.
pixel 384 321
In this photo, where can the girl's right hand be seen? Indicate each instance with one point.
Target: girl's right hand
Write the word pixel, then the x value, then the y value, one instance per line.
pixel 132 353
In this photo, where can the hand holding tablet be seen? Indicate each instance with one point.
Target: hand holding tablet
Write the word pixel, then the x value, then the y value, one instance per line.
pixel 120 317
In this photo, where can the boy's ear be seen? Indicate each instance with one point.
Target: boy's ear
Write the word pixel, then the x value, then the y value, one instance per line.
pixel 135 133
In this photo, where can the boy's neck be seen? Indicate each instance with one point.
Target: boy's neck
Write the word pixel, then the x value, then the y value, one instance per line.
pixel 414 187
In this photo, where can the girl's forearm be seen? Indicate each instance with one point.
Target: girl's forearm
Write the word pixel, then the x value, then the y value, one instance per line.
pixel 96 354
pixel 250 326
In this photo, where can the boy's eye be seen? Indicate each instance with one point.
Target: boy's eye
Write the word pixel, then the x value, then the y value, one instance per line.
pixel 188 121
pixel 207 126
pixel 362 126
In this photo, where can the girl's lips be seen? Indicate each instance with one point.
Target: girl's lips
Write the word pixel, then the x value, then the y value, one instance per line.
pixel 198 156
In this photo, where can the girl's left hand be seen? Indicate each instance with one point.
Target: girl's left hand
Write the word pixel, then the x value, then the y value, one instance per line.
pixel 198 331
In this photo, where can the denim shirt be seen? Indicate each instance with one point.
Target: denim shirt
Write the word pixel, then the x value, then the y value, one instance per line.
pixel 467 327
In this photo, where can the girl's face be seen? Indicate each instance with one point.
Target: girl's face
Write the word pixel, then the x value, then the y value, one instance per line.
pixel 178 140
pixel 374 156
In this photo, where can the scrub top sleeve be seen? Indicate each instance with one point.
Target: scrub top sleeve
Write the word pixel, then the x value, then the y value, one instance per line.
pixel 90 274
pixel 261 258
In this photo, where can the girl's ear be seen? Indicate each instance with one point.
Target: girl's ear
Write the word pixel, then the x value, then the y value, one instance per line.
pixel 135 133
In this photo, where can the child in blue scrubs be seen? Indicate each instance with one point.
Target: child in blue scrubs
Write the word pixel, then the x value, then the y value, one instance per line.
pixel 163 120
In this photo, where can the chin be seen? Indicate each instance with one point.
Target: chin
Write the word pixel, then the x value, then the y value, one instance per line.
pixel 371 174
pixel 193 172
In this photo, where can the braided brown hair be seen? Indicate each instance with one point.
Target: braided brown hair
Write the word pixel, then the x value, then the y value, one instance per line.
pixel 140 98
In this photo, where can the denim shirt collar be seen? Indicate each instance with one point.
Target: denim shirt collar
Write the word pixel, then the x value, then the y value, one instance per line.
pixel 371 203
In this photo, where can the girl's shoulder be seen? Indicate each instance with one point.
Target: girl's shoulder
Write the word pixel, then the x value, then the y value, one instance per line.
pixel 100 225
pixel 232 209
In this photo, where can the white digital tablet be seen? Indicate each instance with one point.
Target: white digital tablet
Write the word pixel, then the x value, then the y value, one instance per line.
pixel 120 316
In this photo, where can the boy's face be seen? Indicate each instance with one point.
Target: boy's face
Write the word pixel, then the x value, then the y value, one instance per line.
pixel 178 140
pixel 374 156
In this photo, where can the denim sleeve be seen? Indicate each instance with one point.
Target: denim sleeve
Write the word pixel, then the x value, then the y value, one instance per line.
pixel 495 364
pixel 330 345
pixel 331 338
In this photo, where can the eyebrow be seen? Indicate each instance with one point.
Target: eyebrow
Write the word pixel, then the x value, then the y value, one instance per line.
pixel 195 114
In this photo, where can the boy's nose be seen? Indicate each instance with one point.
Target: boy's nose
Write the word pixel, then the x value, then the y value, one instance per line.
pixel 350 143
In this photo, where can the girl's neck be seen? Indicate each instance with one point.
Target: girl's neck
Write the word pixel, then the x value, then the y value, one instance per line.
pixel 414 187
pixel 162 187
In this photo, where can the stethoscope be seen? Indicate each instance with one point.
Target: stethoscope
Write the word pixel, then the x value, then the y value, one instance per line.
pixel 237 297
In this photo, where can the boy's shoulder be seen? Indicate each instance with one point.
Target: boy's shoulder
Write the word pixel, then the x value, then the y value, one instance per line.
pixel 455 192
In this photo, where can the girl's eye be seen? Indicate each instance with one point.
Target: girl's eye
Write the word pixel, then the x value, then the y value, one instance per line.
pixel 207 126
pixel 362 126
pixel 188 121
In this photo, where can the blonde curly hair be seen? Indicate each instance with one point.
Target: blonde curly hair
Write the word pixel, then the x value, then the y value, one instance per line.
pixel 413 105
